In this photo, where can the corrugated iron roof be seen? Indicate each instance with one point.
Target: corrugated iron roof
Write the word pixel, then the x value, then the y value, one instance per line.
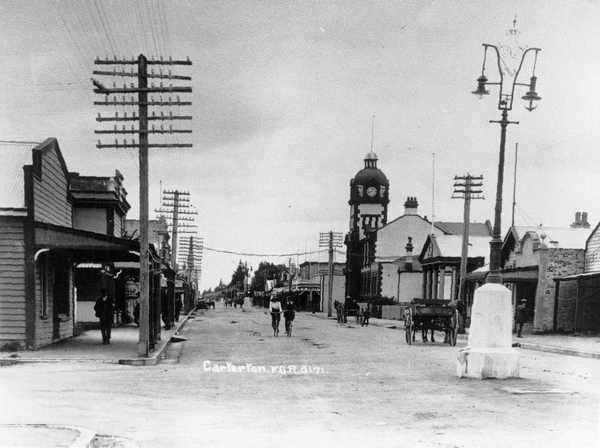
pixel 15 155
pixel 451 245
pixel 558 237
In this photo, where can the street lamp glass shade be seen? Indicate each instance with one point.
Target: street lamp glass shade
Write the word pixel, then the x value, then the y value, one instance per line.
pixel 531 100
pixel 481 91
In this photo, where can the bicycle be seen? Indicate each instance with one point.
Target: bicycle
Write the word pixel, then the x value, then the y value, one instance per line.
pixel 288 328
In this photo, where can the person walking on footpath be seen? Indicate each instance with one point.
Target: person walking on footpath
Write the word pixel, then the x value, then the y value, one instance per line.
pixel 366 317
pixel 520 317
pixel 104 309
pixel 178 306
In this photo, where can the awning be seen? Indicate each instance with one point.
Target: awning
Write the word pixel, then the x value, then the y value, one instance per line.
pixel 306 287
pixel 85 246
pixel 520 274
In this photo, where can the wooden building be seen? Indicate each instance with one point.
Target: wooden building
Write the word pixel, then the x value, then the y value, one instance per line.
pixel 40 246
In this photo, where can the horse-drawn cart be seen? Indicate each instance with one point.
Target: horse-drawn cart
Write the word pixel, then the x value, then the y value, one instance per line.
pixel 434 315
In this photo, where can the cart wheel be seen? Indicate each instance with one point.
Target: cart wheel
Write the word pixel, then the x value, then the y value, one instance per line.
pixel 408 328
pixel 454 329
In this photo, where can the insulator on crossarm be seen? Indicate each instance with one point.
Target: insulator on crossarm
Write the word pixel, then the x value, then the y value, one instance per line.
pixel 132 99
pixel 116 114
pixel 125 114
pixel 161 58
pixel 178 100
pixel 153 114
pixel 99 143
pixel 153 127
pixel 132 127
pixel 162 113
pixel 132 85
pixel 114 85
pixel 116 127
pixel 134 115
pixel 170 59
pixel 115 56
pixel 162 127
pixel 188 59
pixel 98 114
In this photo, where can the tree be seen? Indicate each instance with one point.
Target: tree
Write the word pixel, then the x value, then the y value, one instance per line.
pixel 239 275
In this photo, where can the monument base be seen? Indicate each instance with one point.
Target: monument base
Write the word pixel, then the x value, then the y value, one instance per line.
pixel 482 363
pixel 489 352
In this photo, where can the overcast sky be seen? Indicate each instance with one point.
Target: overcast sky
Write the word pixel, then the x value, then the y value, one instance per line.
pixel 283 103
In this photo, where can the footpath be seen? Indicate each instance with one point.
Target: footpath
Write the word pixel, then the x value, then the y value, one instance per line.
pixel 586 346
pixel 86 347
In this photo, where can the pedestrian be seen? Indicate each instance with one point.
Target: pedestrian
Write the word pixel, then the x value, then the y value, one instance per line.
pixel 520 317
pixel 366 317
pixel 178 306
pixel 104 309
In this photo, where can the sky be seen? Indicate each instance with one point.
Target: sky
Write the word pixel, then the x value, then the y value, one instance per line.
pixel 288 97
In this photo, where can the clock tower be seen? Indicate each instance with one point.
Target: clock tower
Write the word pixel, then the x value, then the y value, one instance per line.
pixel 369 199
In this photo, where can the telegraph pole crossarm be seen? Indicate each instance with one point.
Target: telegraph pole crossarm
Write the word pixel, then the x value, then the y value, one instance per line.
pixel 465 188
pixel 141 90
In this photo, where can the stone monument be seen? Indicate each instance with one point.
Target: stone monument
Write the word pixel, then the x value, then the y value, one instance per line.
pixel 489 352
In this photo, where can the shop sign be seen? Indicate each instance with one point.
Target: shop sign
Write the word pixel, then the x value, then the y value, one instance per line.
pixel 132 288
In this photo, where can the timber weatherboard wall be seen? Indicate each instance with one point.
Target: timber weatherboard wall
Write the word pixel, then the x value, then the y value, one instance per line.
pixel 51 186
pixel 12 282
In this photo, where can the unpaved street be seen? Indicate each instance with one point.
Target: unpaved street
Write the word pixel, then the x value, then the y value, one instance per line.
pixel 233 384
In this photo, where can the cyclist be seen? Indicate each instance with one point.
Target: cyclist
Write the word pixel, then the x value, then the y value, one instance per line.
pixel 289 315
pixel 275 310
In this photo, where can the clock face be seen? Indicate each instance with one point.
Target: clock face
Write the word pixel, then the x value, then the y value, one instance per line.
pixel 371 191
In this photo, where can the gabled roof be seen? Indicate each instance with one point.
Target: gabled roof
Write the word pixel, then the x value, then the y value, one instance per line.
pixel 450 246
pixel 456 228
pixel 555 237
pixel 15 155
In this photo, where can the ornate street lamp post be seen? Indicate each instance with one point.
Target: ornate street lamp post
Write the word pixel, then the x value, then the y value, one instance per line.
pixel 507 83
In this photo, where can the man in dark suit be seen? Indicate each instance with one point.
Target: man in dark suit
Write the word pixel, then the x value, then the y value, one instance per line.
pixel 104 309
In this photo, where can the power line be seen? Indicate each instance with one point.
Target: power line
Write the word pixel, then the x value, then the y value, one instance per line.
pixel 263 255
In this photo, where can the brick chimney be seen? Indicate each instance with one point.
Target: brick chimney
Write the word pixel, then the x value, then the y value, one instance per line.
pixel 410 206
pixel 581 221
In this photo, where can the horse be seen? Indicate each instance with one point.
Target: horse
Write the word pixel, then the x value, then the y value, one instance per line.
pixel 424 326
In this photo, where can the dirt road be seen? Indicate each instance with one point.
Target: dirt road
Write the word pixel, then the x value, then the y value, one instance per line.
pixel 233 384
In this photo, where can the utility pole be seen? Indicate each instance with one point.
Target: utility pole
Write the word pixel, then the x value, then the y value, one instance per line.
pixel 330 240
pixel 464 189
pixel 120 99
pixel 175 210
pixel 191 255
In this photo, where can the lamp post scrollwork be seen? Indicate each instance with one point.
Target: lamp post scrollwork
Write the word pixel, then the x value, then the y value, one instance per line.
pixel 508 80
